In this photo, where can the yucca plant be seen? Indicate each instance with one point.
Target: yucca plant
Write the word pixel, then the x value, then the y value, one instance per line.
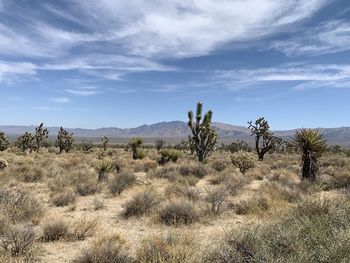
pixel 312 144
pixel 104 168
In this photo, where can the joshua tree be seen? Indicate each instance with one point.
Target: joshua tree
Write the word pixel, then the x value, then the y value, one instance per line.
pixel 105 142
pixel 135 144
pixel 312 144
pixel 104 168
pixel 64 140
pixel 41 136
pixel 159 144
pixel 86 146
pixel 26 142
pixel 264 139
pixel 4 141
pixel 204 137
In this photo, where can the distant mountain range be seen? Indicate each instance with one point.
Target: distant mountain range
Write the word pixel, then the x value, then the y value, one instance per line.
pixel 179 129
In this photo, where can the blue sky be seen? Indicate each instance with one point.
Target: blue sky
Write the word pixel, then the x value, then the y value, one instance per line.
pixel 90 64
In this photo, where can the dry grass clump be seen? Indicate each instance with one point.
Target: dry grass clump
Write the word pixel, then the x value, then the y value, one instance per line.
pixel 178 212
pixel 219 165
pixel 54 230
pixel 63 199
pixel 19 206
pixel 120 182
pixel 252 205
pixel 172 248
pixel 98 204
pixel 28 171
pixel 88 187
pixel 197 169
pixel 314 231
pixel 107 249
pixel 231 181
pixel 83 229
pixel 141 203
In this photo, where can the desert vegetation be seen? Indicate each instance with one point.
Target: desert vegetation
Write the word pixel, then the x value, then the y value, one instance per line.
pixel 189 202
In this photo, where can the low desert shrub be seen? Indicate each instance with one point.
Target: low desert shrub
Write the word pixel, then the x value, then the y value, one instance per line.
pixel 169 155
pixel 141 203
pixel 88 187
pixel 171 248
pixel 63 199
pixel 55 230
pixel 98 204
pixel 19 206
pixel 83 229
pixel 254 205
pixel 108 249
pixel 219 165
pixel 215 198
pixel 199 170
pixel 121 182
pixel 18 239
pixel 178 212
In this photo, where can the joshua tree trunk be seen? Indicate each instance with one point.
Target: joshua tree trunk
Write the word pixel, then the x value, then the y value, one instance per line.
pixel 310 166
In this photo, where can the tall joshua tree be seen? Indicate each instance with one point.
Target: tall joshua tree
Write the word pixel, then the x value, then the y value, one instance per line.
pixel 41 135
pixel 312 144
pixel 264 139
pixel 105 142
pixel 135 144
pixel 203 137
pixel 64 140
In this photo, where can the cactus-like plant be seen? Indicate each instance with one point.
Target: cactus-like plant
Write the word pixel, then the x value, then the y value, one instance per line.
pixel 264 139
pixel 4 141
pixel 135 144
pixel 86 145
pixel 312 144
pixel 41 135
pixel 26 142
pixel 105 142
pixel 243 160
pixel 203 138
pixel 3 164
pixel 64 140
pixel 159 144
pixel 104 168
pixel 168 155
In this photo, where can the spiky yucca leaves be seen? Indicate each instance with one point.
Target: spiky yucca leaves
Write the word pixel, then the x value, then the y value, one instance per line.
pixel 134 144
pixel 104 168
pixel 41 135
pixel 105 142
pixel 203 137
pixel 64 140
pixel 312 144
pixel 26 142
pixel 4 141
pixel 264 139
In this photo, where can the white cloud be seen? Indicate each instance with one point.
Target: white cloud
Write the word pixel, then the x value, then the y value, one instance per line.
pixel 60 100
pixel 46 108
pixel 10 70
pixel 330 37
pixel 83 91
pixel 306 75
pixel 197 27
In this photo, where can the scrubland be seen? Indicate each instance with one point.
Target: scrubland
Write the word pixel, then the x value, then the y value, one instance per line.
pixel 54 209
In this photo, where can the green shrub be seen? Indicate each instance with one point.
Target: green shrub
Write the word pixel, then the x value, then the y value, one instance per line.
pixel 168 155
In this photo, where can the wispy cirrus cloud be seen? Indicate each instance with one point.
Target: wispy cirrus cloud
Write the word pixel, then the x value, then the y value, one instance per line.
pixel 83 91
pixel 330 37
pixel 302 75
pixel 60 99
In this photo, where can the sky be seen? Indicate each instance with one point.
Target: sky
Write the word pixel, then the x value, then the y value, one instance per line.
pixel 117 63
